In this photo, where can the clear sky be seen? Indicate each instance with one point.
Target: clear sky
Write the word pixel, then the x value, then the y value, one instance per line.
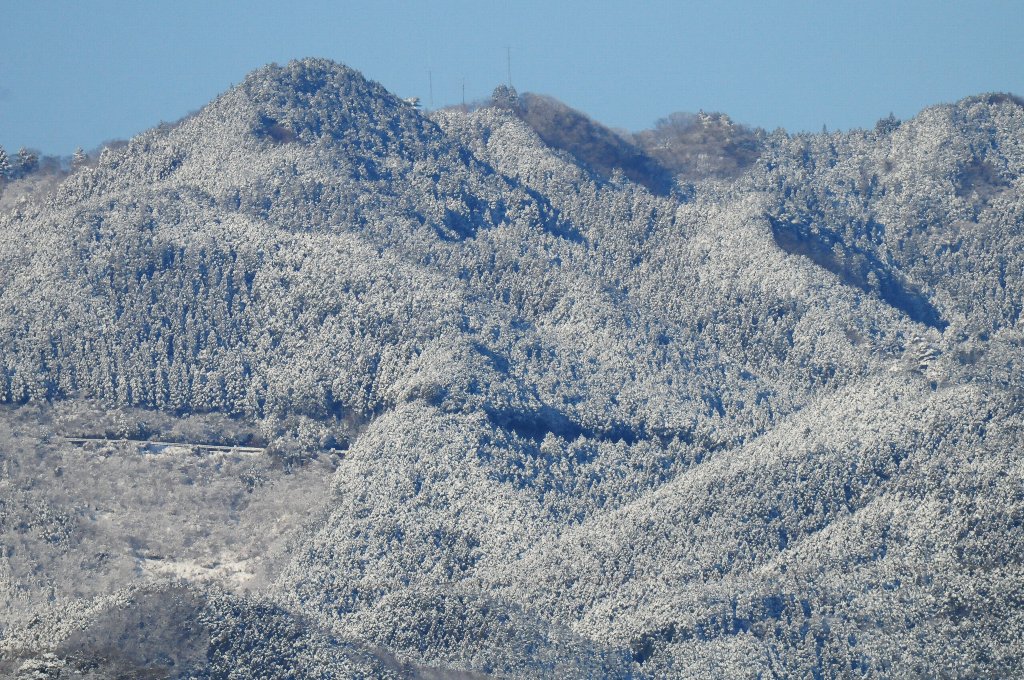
pixel 79 73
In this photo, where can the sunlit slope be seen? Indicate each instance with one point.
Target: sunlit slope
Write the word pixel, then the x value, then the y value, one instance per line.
pixel 766 422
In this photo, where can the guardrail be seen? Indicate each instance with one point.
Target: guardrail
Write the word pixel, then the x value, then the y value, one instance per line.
pixel 217 448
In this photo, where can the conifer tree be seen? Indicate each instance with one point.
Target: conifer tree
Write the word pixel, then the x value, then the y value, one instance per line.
pixel 505 96
pixel 28 161
pixel 79 159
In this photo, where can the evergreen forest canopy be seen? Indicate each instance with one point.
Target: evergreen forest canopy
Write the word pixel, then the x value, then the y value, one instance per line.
pixel 502 392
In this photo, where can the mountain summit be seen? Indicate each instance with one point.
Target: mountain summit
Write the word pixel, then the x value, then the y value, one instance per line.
pixel 415 394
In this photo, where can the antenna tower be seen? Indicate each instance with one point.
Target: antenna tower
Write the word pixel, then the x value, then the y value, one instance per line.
pixel 508 64
pixel 430 82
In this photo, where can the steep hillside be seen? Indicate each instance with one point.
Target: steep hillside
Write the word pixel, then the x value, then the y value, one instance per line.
pixel 927 213
pixel 592 144
pixel 521 416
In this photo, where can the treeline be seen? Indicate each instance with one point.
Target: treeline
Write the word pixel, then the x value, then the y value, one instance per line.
pixel 28 163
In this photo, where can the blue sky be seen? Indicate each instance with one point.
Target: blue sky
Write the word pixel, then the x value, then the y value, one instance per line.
pixel 79 73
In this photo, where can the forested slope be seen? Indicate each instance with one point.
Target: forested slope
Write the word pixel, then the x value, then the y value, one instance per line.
pixel 765 424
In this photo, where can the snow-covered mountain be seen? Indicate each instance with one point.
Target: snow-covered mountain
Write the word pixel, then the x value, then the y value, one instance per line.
pixel 532 403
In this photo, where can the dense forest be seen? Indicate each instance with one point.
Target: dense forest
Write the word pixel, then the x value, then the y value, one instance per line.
pixel 503 392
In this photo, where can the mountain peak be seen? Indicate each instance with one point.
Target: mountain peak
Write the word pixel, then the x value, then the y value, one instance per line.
pixel 308 99
pixel 308 75
pixel 993 99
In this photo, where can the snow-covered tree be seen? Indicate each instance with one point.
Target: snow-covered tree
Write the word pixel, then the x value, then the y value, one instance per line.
pixel 5 165
pixel 79 159
pixel 28 161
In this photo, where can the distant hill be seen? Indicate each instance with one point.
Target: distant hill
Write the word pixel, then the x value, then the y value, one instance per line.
pixel 592 144
pixel 534 398
pixel 680 148
pixel 704 145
